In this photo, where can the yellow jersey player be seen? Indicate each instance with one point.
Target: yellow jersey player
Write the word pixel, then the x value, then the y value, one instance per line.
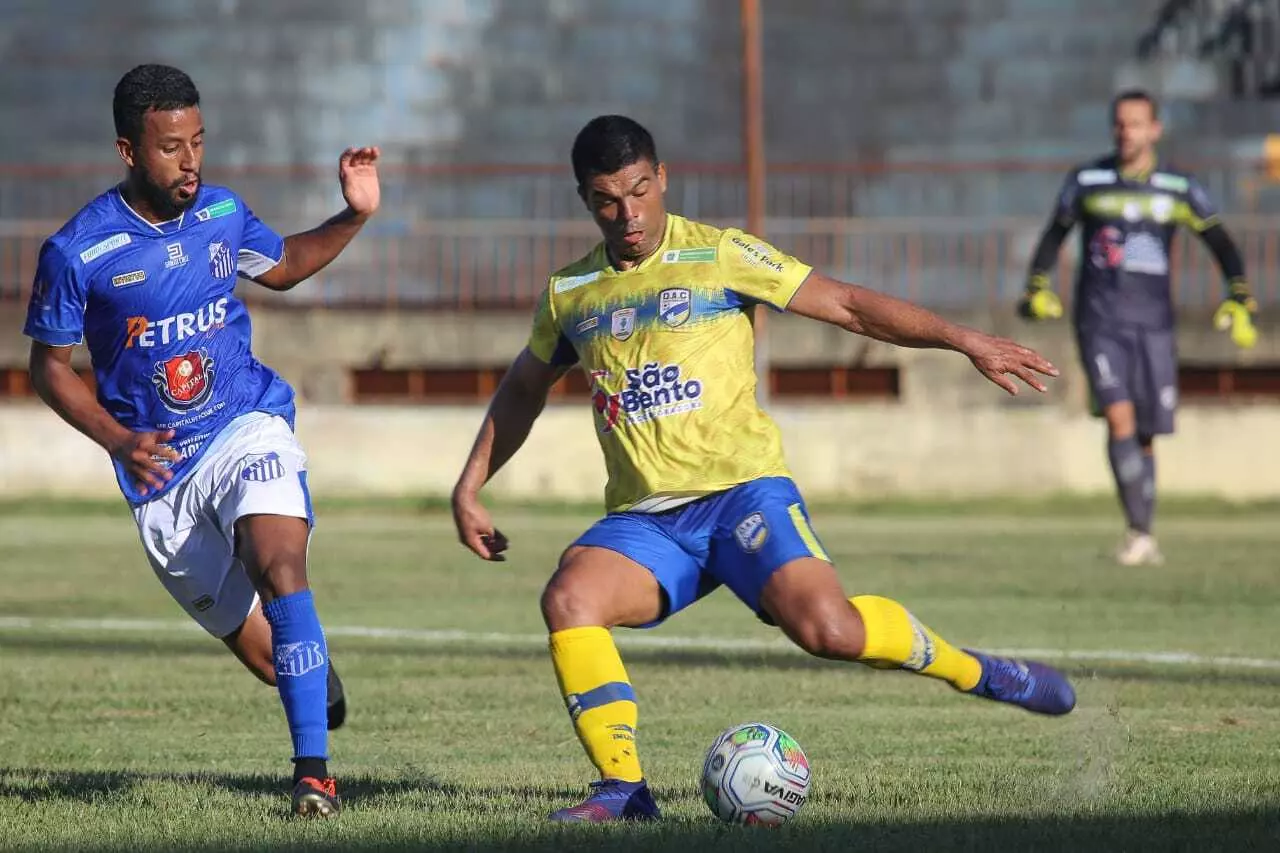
pixel 699 495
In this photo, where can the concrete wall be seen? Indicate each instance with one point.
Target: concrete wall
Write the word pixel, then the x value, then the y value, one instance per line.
pixel 850 451
pixel 951 433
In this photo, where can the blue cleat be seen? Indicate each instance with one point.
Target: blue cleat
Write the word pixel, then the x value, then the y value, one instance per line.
pixel 1027 684
pixel 612 799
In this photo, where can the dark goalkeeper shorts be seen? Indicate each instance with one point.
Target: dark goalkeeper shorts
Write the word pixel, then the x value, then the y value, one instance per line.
pixel 1126 363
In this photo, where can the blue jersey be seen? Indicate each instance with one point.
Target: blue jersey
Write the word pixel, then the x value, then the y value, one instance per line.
pixel 168 339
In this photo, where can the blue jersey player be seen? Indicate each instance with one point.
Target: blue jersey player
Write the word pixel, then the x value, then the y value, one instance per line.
pixel 199 431
pixel 1129 206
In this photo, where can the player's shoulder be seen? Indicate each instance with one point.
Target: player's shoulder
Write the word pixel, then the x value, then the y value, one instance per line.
pixel 98 228
pixel 1172 178
pixel 582 271
pixel 216 202
pixel 689 234
pixel 1099 171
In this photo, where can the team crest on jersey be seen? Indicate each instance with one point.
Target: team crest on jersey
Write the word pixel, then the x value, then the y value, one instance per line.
pixel 623 323
pixel 185 382
pixel 674 306
pixel 221 264
pixel 1161 208
pixel 751 533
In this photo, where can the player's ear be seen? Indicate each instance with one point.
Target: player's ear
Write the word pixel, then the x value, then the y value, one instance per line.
pixel 1158 131
pixel 662 176
pixel 125 149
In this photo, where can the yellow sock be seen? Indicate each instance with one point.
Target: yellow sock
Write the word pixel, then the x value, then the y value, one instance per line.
pixel 600 700
pixel 895 638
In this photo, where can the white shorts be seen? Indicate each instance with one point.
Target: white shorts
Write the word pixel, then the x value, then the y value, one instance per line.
pixel 255 466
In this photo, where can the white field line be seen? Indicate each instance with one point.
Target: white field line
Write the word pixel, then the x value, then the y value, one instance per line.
pixel 625 639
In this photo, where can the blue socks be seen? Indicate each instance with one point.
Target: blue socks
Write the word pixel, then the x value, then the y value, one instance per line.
pixel 302 671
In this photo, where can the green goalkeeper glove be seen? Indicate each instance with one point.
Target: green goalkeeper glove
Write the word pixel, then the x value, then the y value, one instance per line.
pixel 1236 314
pixel 1039 302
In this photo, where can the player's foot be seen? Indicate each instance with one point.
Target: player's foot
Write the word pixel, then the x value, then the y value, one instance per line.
pixel 316 797
pixel 1027 684
pixel 1138 549
pixel 612 799
pixel 337 700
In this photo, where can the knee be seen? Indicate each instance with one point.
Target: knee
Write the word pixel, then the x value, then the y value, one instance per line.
pixel 565 605
pixel 568 602
pixel 835 636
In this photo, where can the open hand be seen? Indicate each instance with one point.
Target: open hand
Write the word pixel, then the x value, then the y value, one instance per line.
pixel 358 175
pixel 999 358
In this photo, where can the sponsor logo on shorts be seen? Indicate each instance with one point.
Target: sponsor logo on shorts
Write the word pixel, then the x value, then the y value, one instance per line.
pixel 185 381
pixel 128 278
pixel 110 244
pixel 203 603
pixel 622 323
pixel 675 305
pixel 297 659
pixel 1169 397
pixel 264 469
pixel 751 533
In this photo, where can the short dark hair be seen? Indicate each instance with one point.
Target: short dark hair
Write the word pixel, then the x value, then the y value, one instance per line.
pixel 610 143
pixel 1135 95
pixel 150 87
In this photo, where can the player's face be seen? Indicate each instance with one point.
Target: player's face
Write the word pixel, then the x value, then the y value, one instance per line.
pixel 164 163
pixel 1135 130
pixel 628 207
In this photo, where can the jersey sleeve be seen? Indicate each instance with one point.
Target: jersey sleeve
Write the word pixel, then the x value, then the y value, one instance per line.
pixel 756 271
pixel 55 314
pixel 260 247
pixel 547 343
pixel 1066 208
pixel 1199 212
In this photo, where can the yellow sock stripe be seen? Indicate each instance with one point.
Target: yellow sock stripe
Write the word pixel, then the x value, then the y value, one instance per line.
pixel 806 533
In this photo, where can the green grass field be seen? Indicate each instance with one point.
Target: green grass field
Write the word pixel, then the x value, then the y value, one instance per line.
pixel 123 729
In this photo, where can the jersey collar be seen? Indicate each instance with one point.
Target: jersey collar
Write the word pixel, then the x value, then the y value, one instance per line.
pixel 170 226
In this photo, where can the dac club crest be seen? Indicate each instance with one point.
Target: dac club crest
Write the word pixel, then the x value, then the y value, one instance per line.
pixel 675 306
pixel 185 382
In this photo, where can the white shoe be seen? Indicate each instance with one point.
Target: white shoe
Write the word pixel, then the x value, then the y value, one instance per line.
pixel 1139 549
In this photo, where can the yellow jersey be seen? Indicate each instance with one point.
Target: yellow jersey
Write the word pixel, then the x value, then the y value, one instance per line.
pixel 669 350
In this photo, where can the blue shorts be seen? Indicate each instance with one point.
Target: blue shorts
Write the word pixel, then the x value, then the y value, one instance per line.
pixel 737 538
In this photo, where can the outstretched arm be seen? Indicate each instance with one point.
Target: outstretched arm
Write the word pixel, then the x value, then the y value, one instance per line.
pixel 885 318
pixel 515 406
pixel 307 253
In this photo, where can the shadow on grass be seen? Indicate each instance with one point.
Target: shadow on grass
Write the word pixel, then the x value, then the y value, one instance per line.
pixel 481 819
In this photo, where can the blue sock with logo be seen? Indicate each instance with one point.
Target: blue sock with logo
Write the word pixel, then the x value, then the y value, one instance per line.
pixel 302 671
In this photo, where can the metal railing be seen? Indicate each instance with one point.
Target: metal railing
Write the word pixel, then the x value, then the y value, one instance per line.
pixel 495 264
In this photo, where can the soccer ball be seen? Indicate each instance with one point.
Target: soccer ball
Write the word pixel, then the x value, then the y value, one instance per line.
pixel 755 774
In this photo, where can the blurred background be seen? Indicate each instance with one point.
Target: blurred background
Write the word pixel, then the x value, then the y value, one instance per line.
pixel 911 145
